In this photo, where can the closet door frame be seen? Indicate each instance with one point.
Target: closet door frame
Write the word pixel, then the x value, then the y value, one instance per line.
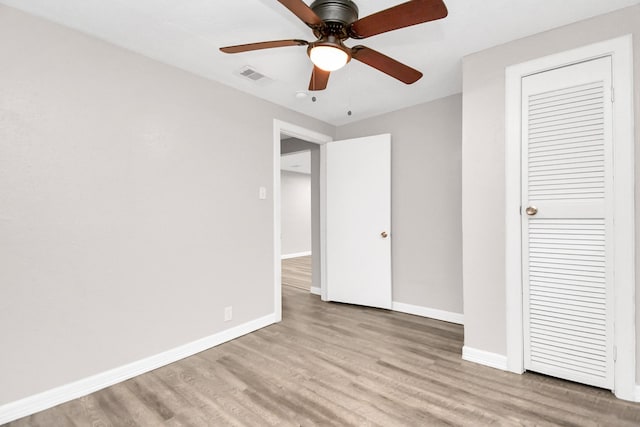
pixel 621 52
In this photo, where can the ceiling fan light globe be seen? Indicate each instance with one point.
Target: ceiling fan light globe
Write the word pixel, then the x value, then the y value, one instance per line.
pixel 328 58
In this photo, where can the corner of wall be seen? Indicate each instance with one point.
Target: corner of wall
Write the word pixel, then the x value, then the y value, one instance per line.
pixel 432 313
pixel 493 360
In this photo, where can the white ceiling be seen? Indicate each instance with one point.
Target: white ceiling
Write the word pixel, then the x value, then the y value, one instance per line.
pixel 188 33
pixel 300 162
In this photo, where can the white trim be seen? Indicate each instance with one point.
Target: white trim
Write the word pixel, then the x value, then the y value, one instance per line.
pixel 637 399
pixel 277 226
pixel 432 313
pixel 296 255
pixel 624 220
pixel 513 247
pixel 315 290
pixel 50 398
pixel 280 127
pixel 323 223
pixel 485 358
pixel 621 51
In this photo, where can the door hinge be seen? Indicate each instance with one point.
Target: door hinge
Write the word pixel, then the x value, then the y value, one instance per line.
pixel 520 210
pixel 613 95
pixel 615 353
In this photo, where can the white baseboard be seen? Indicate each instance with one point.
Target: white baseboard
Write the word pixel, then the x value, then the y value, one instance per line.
pixel 50 398
pixel 486 358
pixel 432 313
pixel 296 255
pixel 637 398
pixel 316 291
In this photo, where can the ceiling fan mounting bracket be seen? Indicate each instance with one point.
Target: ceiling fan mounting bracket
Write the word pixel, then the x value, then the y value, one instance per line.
pixel 336 15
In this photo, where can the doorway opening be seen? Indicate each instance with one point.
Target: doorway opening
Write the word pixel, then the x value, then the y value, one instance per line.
pixel 289 141
pixel 299 203
pixel 351 227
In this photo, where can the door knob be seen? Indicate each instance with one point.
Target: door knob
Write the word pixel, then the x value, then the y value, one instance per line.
pixel 531 210
pixel 384 234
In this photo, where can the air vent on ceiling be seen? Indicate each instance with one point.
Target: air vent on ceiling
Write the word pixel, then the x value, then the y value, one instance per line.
pixel 250 73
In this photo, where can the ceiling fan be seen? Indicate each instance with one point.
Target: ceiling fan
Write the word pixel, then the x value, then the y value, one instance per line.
pixel 334 21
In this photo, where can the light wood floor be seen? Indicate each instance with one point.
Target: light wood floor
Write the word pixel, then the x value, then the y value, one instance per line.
pixel 335 364
pixel 296 272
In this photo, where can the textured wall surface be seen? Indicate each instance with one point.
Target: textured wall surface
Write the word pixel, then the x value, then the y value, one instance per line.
pixel 426 245
pixel 128 206
pixel 296 212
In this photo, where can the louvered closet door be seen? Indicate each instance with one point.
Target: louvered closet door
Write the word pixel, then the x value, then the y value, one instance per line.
pixel 567 178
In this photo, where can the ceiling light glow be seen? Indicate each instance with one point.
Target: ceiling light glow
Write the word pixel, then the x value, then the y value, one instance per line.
pixel 328 58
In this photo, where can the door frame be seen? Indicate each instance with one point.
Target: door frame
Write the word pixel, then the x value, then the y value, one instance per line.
pixel 621 51
pixel 280 127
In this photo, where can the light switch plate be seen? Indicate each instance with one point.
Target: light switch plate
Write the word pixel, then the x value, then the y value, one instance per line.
pixel 262 193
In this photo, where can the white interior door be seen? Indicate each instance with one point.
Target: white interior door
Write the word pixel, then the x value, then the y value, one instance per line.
pixel 567 222
pixel 358 221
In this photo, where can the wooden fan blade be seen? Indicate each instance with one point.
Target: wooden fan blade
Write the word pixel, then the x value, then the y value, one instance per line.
pixel 319 79
pixel 303 12
pixel 262 45
pixel 387 65
pixel 400 16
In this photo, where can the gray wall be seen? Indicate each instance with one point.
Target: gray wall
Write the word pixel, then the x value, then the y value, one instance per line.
pixel 426 245
pixel 128 206
pixel 296 212
pixel 483 160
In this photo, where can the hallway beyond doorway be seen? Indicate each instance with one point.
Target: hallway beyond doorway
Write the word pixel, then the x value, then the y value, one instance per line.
pixel 296 272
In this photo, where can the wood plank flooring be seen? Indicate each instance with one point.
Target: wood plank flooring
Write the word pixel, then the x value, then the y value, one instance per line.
pixel 296 272
pixel 339 365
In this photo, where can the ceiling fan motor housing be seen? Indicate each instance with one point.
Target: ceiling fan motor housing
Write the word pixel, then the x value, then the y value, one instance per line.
pixel 336 14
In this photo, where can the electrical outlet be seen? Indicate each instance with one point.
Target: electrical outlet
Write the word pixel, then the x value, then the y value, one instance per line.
pixel 228 313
